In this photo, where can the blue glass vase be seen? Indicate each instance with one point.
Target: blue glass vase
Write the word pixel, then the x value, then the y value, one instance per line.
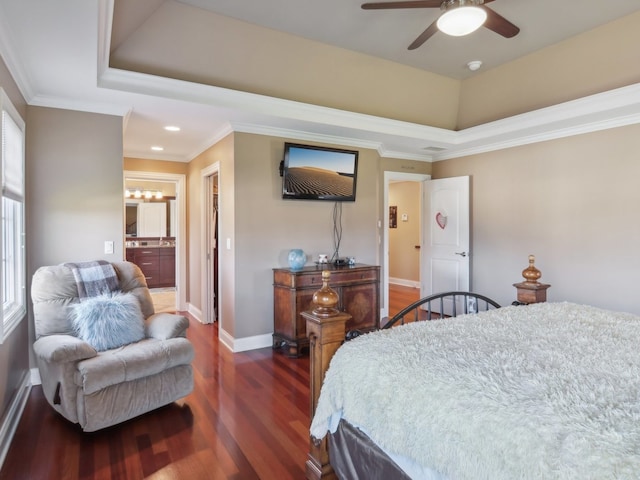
pixel 297 259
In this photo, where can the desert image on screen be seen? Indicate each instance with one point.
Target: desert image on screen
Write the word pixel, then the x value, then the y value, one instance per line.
pixel 319 173
pixel 318 181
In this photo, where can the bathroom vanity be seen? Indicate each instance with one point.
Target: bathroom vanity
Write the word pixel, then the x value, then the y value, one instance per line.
pixel 156 259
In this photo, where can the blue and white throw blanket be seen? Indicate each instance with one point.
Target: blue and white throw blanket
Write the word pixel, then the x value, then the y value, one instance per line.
pixel 94 278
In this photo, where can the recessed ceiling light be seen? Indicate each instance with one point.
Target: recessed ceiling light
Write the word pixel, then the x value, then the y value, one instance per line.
pixel 172 128
pixel 157 149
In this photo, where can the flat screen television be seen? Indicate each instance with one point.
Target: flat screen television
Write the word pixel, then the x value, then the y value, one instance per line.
pixel 319 173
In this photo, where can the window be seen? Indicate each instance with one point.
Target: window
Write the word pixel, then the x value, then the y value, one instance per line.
pixel 12 227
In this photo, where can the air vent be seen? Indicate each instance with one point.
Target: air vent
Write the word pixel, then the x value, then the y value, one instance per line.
pixel 434 149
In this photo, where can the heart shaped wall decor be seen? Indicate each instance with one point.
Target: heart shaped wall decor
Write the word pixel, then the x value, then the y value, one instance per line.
pixel 441 220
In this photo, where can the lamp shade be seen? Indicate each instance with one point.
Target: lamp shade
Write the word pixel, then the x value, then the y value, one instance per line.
pixel 461 20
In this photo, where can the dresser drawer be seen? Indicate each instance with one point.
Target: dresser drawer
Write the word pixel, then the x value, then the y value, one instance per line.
pixel 312 280
pixel 347 276
pixel 338 277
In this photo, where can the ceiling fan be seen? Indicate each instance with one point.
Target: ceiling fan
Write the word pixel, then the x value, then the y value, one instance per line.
pixel 481 16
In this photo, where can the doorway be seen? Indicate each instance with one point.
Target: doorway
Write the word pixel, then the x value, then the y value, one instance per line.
pixel 210 244
pixel 389 178
pixel 176 215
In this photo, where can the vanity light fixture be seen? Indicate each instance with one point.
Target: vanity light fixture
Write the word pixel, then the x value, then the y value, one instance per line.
pixel 138 192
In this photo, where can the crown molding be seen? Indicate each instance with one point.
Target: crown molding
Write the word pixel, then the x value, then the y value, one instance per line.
pixel 211 141
pixel 611 109
pixel 330 139
pixel 79 105
pixel 145 155
pixel 142 83
pixel 600 111
pixel 105 25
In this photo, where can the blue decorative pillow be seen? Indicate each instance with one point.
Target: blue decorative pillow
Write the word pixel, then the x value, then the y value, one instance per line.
pixel 109 320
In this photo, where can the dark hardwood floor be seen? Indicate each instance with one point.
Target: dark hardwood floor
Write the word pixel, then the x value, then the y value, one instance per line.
pixel 247 418
pixel 400 296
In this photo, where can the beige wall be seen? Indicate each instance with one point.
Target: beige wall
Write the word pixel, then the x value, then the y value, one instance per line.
pixel 571 202
pixel 159 166
pixel 14 356
pixel 596 61
pixel 215 49
pixel 262 227
pixel 404 258
pixel 267 226
pixel 222 153
pixel 74 188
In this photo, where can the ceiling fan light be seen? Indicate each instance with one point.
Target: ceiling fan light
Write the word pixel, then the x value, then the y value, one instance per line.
pixel 461 21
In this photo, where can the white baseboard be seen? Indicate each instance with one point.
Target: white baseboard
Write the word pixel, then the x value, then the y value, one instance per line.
pixel 196 312
pixel 12 418
pixel 405 283
pixel 35 377
pixel 243 344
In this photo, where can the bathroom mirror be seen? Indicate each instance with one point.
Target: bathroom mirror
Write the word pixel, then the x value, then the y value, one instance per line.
pixel 150 209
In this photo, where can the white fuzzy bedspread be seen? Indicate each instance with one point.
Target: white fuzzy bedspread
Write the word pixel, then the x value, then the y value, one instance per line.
pixel 546 391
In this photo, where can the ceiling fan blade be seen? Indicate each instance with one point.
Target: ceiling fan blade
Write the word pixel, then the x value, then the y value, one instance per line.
pixel 409 4
pixel 424 36
pixel 499 24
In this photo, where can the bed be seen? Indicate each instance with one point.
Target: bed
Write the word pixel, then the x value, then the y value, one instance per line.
pixel 549 390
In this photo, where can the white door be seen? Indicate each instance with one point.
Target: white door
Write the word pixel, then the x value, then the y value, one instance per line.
pixel 152 219
pixel 173 224
pixel 445 249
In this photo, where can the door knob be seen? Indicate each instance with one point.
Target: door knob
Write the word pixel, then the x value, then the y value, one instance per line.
pixel 462 254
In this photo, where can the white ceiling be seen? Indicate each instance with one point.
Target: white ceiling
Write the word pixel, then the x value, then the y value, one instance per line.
pixel 58 53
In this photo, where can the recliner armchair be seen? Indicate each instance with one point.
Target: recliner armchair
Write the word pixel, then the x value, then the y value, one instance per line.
pixel 97 389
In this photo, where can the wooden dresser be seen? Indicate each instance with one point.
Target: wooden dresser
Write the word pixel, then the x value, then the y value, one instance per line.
pixel 357 286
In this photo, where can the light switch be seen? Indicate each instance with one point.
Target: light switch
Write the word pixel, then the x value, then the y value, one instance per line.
pixel 228 244
pixel 108 247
